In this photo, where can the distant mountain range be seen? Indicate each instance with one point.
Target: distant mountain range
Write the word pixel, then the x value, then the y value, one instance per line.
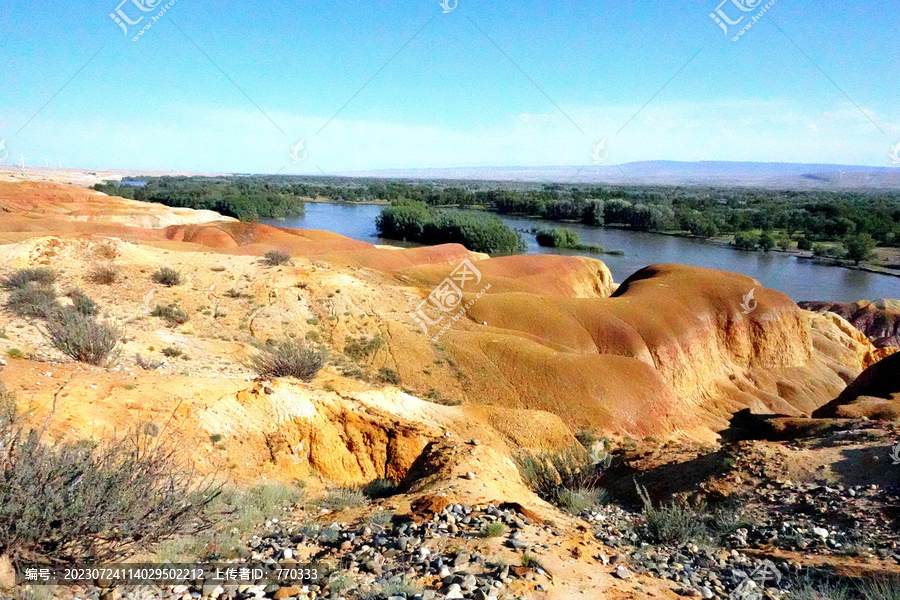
pixel 663 172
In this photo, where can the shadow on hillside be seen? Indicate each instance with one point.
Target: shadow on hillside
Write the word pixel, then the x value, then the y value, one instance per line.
pixel 664 482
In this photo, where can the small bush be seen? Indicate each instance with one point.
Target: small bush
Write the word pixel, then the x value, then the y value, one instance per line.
pixel 403 587
pixel 15 353
pixel 82 337
pixel 171 313
pixel 172 352
pixel 234 511
pixel 32 301
pixel 362 347
pixel 343 498
pixel 103 275
pixel 881 589
pixel 82 303
pixel 494 529
pixel 340 581
pixel 382 518
pixel 330 534
pixel 276 257
pixel 579 500
pixel 23 277
pixel 289 358
pixel 388 375
pixel 438 398
pixel 586 437
pixel 91 502
pixel 807 589
pixel 549 473
pixel 270 498
pixel 380 488
pixel 674 523
pixel 166 276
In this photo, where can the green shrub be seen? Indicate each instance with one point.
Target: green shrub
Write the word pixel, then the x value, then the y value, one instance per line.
pixel 236 510
pixel 330 534
pixel 15 353
pixel 82 337
pixel 172 352
pixel 881 589
pixel 586 437
pixel 579 500
pixel 103 275
pixel 558 237
pixel 746 240
pixel 837 251
pixel 388 375
pixel 91 502
pixel 289 358
pixel 807 589
pixel 343 498
pixel 493 529
pixel 438 398
pixel 673 523
pixel 403 587
pixel 360 348
pixel 340 581
pixel 550 473
pixel 171 313
pixel 32 301
pixel 276 257
pixel 82 303
pixel 270 498
pixel 23 277
pixel 527 559
pixel 380 488
pixel 382 518
pixel 167 276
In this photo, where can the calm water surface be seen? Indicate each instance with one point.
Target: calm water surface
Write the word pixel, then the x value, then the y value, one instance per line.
pixel 799 279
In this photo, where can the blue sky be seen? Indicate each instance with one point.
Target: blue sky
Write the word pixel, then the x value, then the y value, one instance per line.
pixel 231 87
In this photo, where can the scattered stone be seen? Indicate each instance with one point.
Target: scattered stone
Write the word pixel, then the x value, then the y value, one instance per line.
pixel 622 572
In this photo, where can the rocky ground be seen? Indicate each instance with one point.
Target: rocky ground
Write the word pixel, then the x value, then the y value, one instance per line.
pixel 758 528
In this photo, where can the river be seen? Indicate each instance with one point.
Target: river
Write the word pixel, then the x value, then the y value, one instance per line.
pixel 800 279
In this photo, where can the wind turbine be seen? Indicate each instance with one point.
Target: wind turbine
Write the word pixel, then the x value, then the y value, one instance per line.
pixel 22 158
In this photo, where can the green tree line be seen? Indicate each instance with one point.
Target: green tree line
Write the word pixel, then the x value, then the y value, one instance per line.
pixel 811 216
